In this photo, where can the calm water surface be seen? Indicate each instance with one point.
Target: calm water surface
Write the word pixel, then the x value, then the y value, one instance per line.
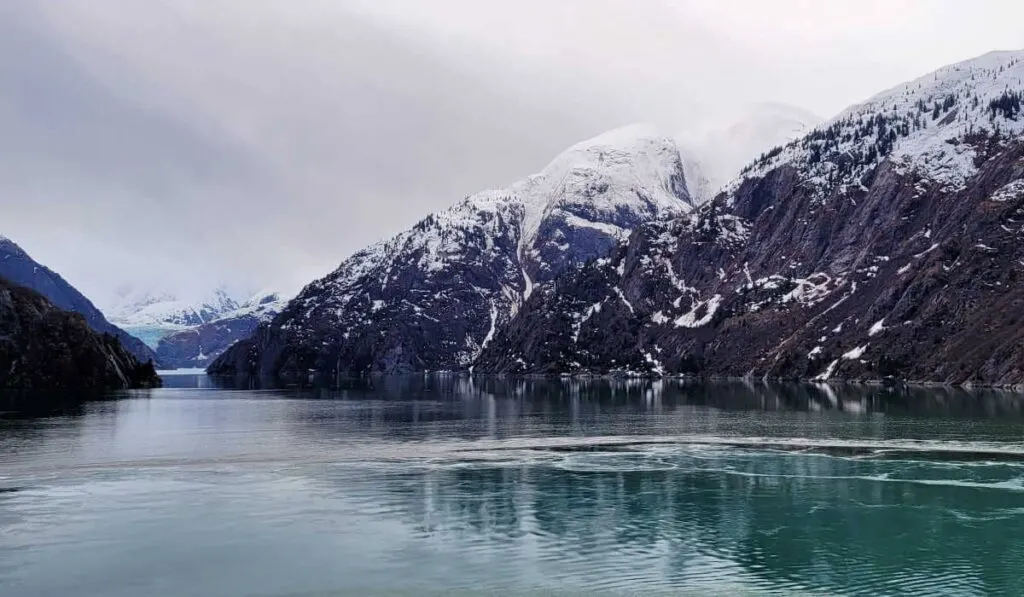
pixel 448 486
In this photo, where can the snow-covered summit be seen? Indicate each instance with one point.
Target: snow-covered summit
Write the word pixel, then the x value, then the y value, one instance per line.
pixel 433 296
pixel 635 167
pixel 264 305
pixel 622 138
pixel 936 124
pixel 161 308
pixel 589 197
pixel 196 346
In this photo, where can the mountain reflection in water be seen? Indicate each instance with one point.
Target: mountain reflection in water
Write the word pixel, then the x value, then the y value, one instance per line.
pixel 449 485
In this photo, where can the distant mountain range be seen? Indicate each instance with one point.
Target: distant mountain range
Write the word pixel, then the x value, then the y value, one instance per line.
pixel 182 334
pixel 156 308
pixel 198 346
pixel 190 333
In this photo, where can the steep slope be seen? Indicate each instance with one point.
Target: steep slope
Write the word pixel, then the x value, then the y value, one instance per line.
pixel 44 347
pixel 17 267
pixel 433 296
pixel 198 346
pixel 885 243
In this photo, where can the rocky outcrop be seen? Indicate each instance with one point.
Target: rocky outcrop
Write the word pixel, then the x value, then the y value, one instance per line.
pixel 885 244
pixel 19 268
pixel 432 297
pixel 44 347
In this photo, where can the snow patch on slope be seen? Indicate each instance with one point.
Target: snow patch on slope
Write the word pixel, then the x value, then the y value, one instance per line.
pixel 1009 192
pixel 701 314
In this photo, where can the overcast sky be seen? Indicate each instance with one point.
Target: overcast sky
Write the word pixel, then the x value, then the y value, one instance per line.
pixel 259 142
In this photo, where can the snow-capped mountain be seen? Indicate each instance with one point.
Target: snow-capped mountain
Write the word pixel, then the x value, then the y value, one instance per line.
pixel 197 346
pixel 136 308
pixel 264 305
pixel 153 313
pixel 885 243
pixel 432 297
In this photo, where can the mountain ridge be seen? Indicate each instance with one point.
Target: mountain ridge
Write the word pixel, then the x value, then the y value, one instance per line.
pixel 805 265
pixel 18 267
pixel 154 308
pixel 432 296
pixel 45 347
pixel 198 346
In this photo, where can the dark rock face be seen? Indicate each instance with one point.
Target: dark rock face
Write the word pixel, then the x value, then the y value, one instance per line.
pixel 17 267
pixel 903 278
pixel 884 244
pixel 44 347
pixel 197 347
pixel 434 296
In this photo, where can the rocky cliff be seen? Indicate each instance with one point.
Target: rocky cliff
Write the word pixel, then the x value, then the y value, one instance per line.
pixel 44 347
pixel 19 268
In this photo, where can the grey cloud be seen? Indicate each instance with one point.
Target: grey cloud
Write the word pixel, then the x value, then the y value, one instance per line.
pixel 106 185
pixel 258 142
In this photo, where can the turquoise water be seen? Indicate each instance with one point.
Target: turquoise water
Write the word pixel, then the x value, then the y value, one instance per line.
pixel 150 335
pixel 445 486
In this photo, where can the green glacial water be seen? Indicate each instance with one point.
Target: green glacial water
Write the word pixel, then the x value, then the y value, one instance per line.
pixel 446 486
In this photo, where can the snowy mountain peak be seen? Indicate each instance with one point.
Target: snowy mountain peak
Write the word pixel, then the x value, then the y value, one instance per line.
pixel 196 346
pixel 263 305
pixel 630 170
pixel 432 297
pixel 137 308
pixel 619 139
pixel 262 297
pixel 910 271
pixel 600 188
pixel 940 125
